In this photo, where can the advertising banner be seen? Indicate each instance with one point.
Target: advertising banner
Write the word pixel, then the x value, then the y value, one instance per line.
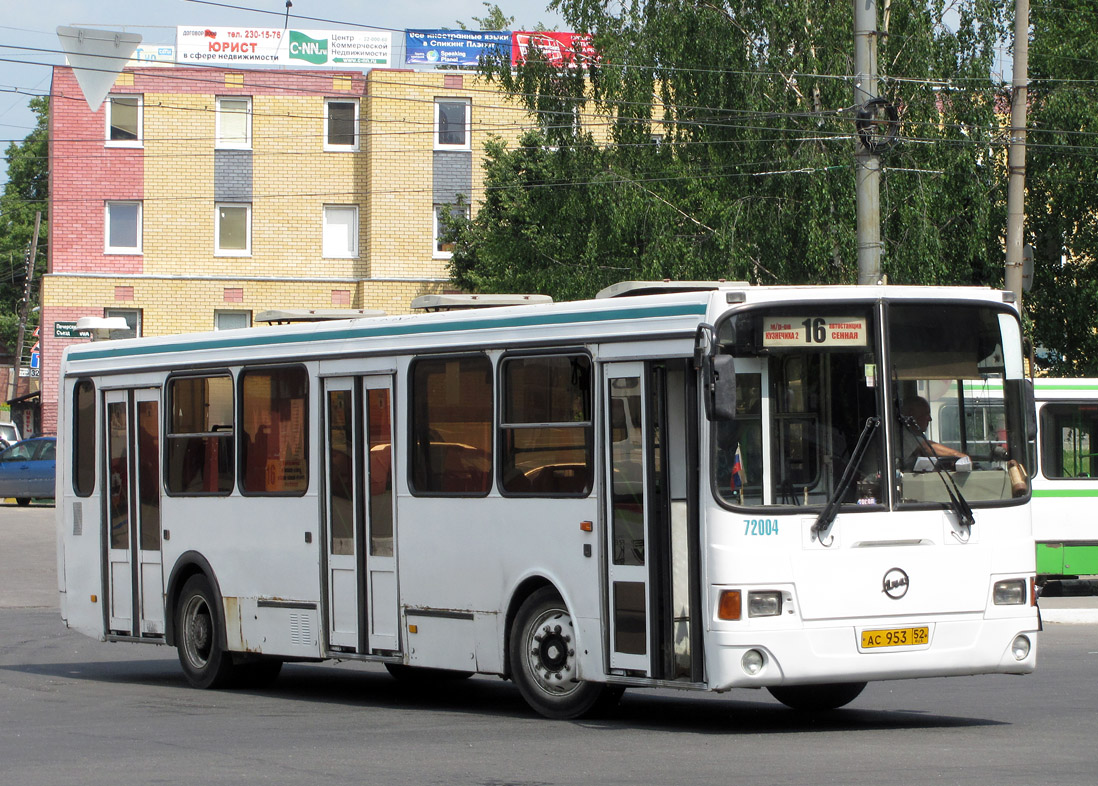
pixel 268 46
pixel 558 48
pixel 453 47
pixel 152 55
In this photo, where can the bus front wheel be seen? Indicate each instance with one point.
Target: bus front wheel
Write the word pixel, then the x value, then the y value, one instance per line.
pixel 198 638
pixel 542 650
pixel 817 698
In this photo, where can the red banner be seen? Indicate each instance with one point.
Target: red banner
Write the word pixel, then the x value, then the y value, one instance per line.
pixel 558 48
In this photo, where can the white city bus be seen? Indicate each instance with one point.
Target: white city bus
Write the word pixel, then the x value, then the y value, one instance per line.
pixel 703 489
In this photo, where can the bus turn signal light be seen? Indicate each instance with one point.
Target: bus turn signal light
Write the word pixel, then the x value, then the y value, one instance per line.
pixel 729 607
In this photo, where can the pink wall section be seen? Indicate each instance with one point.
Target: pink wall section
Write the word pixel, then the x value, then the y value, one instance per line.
pixel 84 175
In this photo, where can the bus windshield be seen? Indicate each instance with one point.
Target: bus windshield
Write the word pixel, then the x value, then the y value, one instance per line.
pixel 958 389
pixel 806 382
pixel 810 378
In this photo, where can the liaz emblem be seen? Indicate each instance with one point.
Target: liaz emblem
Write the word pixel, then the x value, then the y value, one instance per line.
pixel 895 583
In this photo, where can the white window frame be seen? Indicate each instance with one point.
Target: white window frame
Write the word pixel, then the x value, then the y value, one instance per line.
pixel 107 247
pixel 220 312
pixel 352 148
pixel 233 252
pixel 133 319
pixel 330 253
pixel 436 252
pixel 140 141
pixel 437 131
pixel 221 143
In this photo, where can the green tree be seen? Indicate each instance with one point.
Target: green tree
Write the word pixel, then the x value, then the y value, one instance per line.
pixel 26 192
pixel 493 19
pixel 1061 172
pixel 723 148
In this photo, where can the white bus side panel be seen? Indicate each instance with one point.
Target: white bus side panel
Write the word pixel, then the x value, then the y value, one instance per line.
pixel 458 573
pixel 265 560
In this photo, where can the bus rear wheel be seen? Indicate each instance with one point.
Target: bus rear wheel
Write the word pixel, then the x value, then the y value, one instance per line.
pixel 542 650
pixel 198 638
pixel 817 698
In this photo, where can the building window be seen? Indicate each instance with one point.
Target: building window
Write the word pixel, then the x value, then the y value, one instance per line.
pixel 340 125
pixel 233 230
pixel 452 129
pixel 124 121
pixel 451 428
pixel 199 455
pixel 273 421
pixel 546 427
pixel 231 320
pixel 123 225
pixel 340 231
pixel 444 249
pixel 234 122
pixel 133 321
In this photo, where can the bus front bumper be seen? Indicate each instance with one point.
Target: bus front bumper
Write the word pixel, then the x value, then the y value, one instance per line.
pixel 819 654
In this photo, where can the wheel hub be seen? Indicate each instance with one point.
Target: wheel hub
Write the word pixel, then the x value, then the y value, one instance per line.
pixel 551 654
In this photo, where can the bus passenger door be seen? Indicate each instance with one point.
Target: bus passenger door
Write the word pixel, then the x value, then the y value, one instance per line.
pixel 361 563
pixel 344 522
pixel 382 595
pixel 627 470
pixel 134 588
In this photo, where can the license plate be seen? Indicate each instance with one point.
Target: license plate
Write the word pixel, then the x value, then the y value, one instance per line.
pixel 895 637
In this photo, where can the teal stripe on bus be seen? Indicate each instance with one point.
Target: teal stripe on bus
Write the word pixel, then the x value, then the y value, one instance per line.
pixel 1065 492
pixel 94 352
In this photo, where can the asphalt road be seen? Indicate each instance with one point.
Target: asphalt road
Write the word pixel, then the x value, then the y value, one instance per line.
pixel 77 711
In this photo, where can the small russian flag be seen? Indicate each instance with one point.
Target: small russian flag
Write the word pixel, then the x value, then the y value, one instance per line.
pixel 737 471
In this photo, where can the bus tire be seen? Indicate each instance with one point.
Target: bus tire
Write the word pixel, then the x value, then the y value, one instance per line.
pixel 22 501
pixel 817 698
pixel 544 664
pixel 198 637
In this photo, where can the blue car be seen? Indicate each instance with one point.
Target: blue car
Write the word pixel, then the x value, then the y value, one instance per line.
pixel 27 469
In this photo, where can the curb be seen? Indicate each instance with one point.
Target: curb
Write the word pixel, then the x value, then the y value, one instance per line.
pixel 1070 616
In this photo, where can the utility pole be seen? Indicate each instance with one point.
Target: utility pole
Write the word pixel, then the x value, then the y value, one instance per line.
pixel 868 163
pixel 1016 154
pixel 24 304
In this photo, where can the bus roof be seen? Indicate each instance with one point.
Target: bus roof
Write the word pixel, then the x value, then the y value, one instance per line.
pixel 670 316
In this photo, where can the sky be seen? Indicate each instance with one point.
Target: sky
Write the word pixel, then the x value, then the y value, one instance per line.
pixel 33 24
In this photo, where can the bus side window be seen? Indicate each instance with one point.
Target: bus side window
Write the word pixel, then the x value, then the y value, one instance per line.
pixel 200 435
pixel 1069 432
pixel 451 426
pixel 273 439
pixel 83 434
pixel 546 428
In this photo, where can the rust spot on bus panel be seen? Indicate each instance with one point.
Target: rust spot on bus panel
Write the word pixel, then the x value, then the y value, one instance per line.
pixel 234 626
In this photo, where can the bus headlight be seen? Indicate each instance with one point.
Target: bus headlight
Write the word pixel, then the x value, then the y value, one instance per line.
pixel 1020 647
pixel 764 604
pixel 1009 593
pixel 753 662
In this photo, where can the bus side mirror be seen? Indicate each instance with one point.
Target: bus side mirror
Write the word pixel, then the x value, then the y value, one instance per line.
pixel 718 375
pixel 722 388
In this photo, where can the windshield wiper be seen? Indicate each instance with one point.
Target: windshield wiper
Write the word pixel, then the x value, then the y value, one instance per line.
pixel 827 515
pixel 957 502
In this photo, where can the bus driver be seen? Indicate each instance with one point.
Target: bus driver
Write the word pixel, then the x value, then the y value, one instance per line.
pixel 917 408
